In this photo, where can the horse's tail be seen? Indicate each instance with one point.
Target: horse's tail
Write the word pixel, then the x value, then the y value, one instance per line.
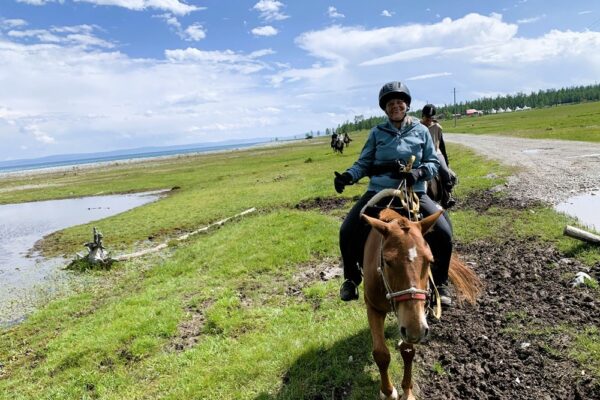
pixel 466 282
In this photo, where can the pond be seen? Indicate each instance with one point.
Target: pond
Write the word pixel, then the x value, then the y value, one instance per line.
pixel 23 272
pixel 586 208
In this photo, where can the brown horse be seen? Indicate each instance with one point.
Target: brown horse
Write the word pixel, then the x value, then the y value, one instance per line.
pixel 396 268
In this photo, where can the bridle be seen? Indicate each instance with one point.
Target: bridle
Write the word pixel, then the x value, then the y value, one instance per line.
pixel 412 293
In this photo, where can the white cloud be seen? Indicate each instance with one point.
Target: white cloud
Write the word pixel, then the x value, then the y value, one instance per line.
pixel 195 32
pixel 386 13
pixel 359 44
pixel 39 2
pixel 38 134
pixel 12 23
pixel 584 12
pixel 333 13
pixel 403 56
pixel 79 35
pixel 428 76
pixel 170 19
pixel 531 20
pixel 178 7
pixel 264 31
pixel 270 10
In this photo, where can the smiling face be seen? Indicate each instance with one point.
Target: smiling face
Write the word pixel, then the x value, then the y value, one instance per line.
pixel 396 110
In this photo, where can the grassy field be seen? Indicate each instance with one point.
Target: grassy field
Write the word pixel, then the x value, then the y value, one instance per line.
pixel 566 122
pixel 261 331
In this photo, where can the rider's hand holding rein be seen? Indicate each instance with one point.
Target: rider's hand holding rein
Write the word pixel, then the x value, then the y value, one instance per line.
pixel 412 176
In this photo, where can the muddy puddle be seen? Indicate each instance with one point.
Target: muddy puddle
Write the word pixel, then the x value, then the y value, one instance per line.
pixel 26 276
pixel 586 208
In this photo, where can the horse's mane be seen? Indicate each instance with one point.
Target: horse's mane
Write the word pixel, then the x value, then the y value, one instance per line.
pixel 388 215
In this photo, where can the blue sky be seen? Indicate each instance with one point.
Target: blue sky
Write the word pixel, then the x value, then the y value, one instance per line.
pixel 98 75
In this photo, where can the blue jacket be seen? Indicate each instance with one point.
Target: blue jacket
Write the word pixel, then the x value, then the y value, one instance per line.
pixel 386 144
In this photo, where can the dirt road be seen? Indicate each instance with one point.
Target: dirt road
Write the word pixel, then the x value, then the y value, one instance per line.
pixel 552 170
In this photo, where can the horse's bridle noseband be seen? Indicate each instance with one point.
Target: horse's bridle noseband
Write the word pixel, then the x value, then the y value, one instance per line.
pixel 412 293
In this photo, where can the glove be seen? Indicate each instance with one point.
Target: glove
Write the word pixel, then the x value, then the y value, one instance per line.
pixel 412 176
pixel 342 180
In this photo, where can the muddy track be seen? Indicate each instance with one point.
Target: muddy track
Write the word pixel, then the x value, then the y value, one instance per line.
pixel 517 342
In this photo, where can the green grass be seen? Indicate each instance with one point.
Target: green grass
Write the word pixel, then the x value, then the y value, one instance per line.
pixel 566 122
pixel 229 289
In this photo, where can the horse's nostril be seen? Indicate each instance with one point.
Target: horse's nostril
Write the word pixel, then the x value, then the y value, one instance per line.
pixel 426 332
pixel 403 332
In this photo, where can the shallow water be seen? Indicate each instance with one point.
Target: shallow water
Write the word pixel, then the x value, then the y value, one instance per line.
pixel 586 208
pixel 22 225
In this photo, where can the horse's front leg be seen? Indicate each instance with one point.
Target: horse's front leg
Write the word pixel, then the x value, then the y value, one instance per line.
pixel 381 353
pixel 408 353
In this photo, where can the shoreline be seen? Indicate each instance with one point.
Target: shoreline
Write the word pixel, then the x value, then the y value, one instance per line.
pixel 25 173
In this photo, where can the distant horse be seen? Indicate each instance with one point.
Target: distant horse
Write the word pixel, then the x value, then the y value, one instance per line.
pixel 337 143
pixel 396 272
pixel 347 140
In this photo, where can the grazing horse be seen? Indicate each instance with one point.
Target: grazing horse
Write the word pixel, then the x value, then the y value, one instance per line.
pixel 396 271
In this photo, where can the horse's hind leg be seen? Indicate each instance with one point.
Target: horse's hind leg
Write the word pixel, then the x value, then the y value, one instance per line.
pixel 381 353
pixel 408 353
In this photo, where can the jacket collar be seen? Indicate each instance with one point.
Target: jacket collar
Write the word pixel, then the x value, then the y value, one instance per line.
pixel 407 124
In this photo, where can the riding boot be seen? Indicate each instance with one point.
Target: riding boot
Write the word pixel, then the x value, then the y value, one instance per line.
pixel 349 291
pixel 444 293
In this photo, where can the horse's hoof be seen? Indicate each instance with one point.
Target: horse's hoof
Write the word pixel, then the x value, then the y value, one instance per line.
pixel 393 396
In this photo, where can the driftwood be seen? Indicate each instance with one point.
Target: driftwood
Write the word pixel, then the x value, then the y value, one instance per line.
pixel 161 246
pixel 97 253
pixel 580 234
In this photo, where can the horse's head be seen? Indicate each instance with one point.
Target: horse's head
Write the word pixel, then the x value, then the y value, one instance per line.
pixel 406 259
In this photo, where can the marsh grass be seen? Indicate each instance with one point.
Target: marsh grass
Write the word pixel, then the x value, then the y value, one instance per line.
pixel 225 293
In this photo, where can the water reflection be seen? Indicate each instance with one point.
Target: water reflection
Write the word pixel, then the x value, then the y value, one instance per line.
pixel 586 208
pixel 22 225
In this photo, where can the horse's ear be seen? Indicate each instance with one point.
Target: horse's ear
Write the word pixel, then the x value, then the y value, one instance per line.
pixel 381 226
pixel 427 223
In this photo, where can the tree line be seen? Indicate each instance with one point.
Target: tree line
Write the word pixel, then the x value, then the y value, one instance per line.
pixel 541 98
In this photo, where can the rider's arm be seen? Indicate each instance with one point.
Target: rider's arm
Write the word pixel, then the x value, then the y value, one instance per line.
pixel 429 161
pixel 443 150
pixel 367 156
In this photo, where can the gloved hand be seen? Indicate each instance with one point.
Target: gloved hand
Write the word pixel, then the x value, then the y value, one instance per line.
pixel 342 180
pixel 412 176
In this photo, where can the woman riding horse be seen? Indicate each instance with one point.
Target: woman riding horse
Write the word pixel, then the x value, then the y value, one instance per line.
pixel 389 145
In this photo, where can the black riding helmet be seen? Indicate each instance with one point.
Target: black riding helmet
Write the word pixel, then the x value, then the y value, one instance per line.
pixel 428 110
pixel 394 90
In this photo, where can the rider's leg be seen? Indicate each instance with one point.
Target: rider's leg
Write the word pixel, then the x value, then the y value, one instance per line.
pixel 353 234
pixel 439 239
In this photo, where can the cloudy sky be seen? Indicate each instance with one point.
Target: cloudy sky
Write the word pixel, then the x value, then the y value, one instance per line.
pixel 97 75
